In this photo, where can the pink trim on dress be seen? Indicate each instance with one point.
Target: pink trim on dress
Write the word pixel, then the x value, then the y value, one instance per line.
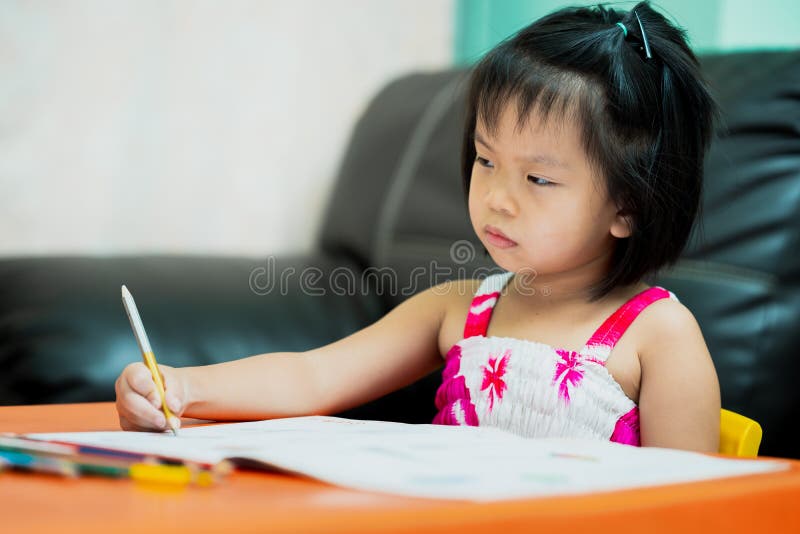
pixel 626 430
pixel 462 411
pixel 612 328
pixel 480 311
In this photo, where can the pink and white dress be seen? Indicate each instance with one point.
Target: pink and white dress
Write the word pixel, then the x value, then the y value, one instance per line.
pixel 534 389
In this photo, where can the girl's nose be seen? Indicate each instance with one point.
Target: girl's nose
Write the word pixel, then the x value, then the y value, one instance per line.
pixel 501 200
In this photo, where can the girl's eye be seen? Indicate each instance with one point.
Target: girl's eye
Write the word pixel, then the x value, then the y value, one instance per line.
pixel 483 162
pixel 539 181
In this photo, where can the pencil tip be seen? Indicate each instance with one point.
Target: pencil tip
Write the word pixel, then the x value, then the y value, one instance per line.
pixel 174 424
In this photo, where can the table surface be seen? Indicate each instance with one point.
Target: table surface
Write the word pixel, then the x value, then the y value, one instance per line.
pixel 257 501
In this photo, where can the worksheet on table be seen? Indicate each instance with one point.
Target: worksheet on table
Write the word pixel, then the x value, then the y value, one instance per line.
pixel 457 462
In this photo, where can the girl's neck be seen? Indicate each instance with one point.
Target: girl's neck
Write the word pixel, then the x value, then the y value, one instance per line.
pixel 545 292
pixel 560 289
pixel 570 297
pixel 565 289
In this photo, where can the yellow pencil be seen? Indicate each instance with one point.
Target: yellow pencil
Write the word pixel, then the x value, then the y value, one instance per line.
pixel 164 474
pixel 147 354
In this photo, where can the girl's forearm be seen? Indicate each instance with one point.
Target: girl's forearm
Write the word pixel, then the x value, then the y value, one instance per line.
pixel 264 386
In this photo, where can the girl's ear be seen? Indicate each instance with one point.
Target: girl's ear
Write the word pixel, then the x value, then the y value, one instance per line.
pixel 622 225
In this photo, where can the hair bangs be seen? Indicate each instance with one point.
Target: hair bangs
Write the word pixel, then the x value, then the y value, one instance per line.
pixel 527 83
pixel 537 89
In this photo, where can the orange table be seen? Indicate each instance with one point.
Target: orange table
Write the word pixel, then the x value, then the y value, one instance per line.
pixel 260 502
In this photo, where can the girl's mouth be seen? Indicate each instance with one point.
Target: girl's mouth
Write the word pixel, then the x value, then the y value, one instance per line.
pixel 498 238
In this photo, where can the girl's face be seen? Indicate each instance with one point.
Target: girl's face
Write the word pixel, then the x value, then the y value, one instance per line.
pixel 537 187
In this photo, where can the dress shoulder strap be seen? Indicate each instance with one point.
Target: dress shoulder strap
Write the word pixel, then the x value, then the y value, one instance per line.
pixel 605 338
pixel 480 311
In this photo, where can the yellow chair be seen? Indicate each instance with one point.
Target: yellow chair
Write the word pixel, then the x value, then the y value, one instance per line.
pixel 738 435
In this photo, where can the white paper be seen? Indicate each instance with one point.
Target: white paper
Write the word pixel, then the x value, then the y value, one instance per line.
pixel 455 462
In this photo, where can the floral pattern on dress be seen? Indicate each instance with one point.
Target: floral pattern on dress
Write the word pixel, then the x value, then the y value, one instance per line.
pixel 569 371
pixel 493 377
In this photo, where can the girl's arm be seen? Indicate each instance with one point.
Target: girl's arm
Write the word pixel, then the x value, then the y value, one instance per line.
pixel 387 355
pixel 679 399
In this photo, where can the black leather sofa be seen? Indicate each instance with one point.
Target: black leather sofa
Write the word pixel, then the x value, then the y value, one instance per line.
pixel 397 223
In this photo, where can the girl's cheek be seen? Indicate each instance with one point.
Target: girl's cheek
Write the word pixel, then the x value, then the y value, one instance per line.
pixel 472 201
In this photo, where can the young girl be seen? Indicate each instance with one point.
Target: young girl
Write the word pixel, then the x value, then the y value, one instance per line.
pixel 582 162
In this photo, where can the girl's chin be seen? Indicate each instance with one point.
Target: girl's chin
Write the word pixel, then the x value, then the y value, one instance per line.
pixel 502 260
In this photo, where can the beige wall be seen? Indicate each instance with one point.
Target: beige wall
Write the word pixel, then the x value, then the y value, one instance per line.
pixel 182 126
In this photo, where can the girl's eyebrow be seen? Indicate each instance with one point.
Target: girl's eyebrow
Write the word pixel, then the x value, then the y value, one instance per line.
pixel 533 158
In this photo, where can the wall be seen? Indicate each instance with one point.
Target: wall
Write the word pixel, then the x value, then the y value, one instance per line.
pixel 186 126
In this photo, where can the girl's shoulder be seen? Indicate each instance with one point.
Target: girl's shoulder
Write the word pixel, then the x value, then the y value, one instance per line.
pixel 458 295
pixel 458 291
pixel 664 328
pixel 667 316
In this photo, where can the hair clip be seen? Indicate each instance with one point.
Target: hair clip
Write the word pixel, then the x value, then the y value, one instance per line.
pixel 644 37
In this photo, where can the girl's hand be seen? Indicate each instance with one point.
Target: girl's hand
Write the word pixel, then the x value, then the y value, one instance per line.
pixel 138 401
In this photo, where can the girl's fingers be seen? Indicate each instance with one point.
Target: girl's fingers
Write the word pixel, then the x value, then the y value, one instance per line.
pixel 140 381
pixel 139 413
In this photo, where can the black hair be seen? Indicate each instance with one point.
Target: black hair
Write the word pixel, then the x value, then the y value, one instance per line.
pixel 645 123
